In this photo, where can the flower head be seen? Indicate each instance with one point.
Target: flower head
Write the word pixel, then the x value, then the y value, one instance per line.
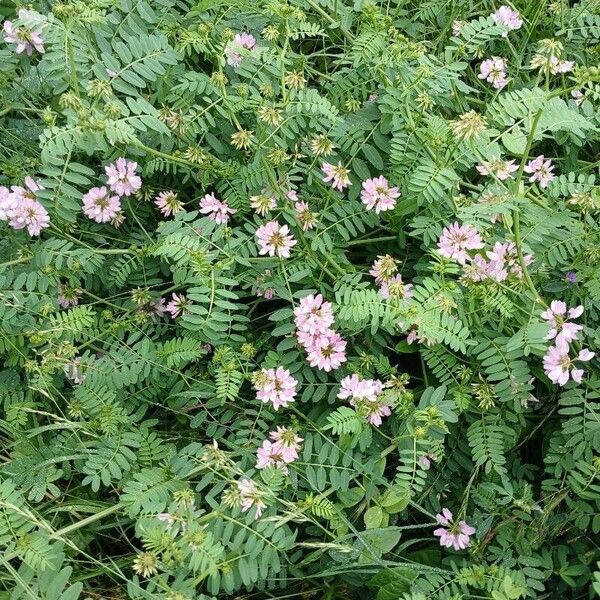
pixel 215 209
pixel 321 145
pixel 384 268
pixel 457 27
pixel 377 194
pixel 235 48
pixel 493 70
pixel 27 38
pixel 274 239
pixel 177 305
pixel 365 396
pixel 287 442
pixel 168 203
pixel 326 351
pixel 395 288
pixel 305 216
pixel 558 318
pixel 457 239
pixel 100 206
pixel 558 365
pixel 337 175
pixel 508 17
pixel 251 497
pixel 453 535
pixel 29 214
pixel 502 169
pixel 263 203
pixel 276 386
pixel 270 455
pixel 67 296
pixel 122 178
pixel 468 125
pixel 313 315
pixel 541 170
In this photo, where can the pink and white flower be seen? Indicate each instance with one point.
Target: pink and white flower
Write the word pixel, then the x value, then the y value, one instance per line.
pixel 558 317
pixel 508 17
pixel 275 240
pixel 493 70
pixel 453 535
pixel 100 206
pixel 541 170
pixel 29 214
pixel 122 178
pixel 288 443
pixel 177 305
pixel 263 203
pixel 559 366
pixel 457 239
pixel 313 315
pixel 337 175
pixel 326 351
pixel 26 39
pixel 269 455
pixel 365 395
pixel 251 497
pixel 168 203
pixel 377 194
pixel 305 216
pixel 215 209
pixel 502 169
pixel 395 288
pixel 235 48
pixel 276 386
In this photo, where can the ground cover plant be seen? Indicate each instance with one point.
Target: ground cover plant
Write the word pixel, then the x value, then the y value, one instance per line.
pixel 299 300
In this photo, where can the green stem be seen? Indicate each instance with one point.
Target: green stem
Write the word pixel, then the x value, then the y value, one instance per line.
pixel 516 213
pixel 84 522
pixel 386 238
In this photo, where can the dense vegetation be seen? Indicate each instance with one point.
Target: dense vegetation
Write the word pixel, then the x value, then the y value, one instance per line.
pixel 299 300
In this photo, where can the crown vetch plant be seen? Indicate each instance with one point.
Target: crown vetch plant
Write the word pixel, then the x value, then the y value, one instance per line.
pixel 299 299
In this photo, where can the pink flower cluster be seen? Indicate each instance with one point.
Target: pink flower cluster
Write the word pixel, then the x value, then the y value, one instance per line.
pixel 502 261
pixel 102 206
pixel 541 170
pixel 377 194
pixel 453 535
pixel 234 49
pixel 502 169
pixel 20 208
pixel 365 395
pixel 558 316
pixel 275 239
pixel 168 203
pixel 558 66
pixel 338 176
pixel 457 239
pixel 508 17
pixel 558 364
pixel 493 70
pixel 27 39
pixel 122 177
pixel 215 209
pixel 250 497
pixel 281 451
pixel 385 271
pixel 177 305
pixel 305 216
pixel 325 348
pixel 276 386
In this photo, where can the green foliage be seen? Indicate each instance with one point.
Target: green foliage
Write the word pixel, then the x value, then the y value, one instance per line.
pixel 135 347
